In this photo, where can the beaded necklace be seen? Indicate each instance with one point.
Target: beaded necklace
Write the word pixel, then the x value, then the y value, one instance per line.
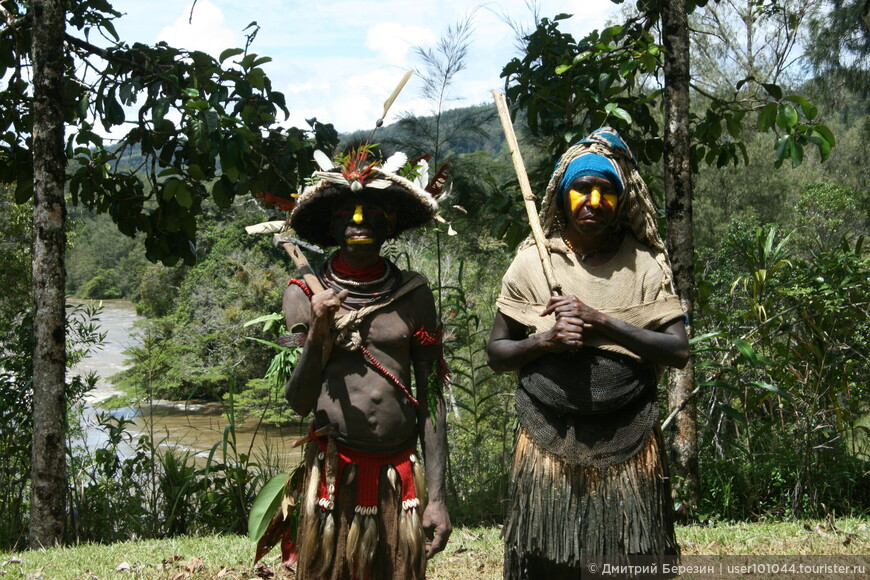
pixel 359 281
pixel 585 255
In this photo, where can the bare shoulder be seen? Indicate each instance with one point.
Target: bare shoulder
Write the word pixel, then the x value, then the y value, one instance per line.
pixel 422 295
pixel 296 305
pixel 422 304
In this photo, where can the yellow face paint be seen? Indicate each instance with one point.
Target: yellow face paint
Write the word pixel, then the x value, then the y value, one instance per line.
pixel 358 214
pixel 595 197
pixel 577 199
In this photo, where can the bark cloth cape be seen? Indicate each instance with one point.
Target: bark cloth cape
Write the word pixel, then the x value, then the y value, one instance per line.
pixel 589 476
pixel 359 513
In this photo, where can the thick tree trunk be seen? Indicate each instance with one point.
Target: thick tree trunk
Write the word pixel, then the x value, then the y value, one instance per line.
pixel 678 197
pixel 48 509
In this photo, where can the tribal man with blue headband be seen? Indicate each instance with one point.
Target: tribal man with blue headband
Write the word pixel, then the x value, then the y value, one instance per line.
pixel 589 484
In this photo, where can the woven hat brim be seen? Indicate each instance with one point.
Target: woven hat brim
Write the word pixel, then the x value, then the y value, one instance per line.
pixel 312 216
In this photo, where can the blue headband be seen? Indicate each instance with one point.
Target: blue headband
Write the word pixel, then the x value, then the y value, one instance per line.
pixel 589 164
pixel 593 163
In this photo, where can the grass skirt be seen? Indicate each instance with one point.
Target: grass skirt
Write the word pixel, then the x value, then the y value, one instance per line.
pixel 341 544
pixel 561 516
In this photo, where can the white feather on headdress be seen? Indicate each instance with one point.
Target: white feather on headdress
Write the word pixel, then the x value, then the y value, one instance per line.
pixel 323 160
pixel 422 180
pixel 394 163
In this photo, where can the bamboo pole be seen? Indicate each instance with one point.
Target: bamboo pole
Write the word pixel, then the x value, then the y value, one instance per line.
pixel 528 196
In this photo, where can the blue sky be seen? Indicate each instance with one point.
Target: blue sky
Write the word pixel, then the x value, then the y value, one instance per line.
pixel 338 60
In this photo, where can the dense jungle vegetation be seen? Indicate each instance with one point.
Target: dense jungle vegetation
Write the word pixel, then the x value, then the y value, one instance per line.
pixel 781 326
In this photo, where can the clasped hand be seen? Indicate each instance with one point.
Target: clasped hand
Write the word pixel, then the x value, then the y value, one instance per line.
pixel 572 321
pixel 324 305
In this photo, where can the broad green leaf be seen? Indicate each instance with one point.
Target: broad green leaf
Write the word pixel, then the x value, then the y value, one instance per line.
pixel 733 413
pixel 109 27
pixel 826 133
pixel 229 53
pixel 196 172
pixel 169 171
pixel 766 117
pixel 170 188
pixel 773 90
pixel 783 145
pixel 772 388
pixel 618 112
pixel 824 148
pixel 266 505
pixel 257 78
pixel 747 351
pixel 114 112
pixel 797 154
pixel 786 117
pixel 23 188
pixel 799 100
pixel 734 126
pixel 184 196
pixel 222 192
pixel 265 318
pixel 159 110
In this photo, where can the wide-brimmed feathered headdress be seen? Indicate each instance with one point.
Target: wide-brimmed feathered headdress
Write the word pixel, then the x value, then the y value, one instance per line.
pixel 358 175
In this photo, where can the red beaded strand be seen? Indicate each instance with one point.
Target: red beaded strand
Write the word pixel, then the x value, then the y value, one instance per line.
pixel 390 376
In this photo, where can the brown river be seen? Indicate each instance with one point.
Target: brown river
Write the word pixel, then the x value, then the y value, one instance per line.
pixel 186 426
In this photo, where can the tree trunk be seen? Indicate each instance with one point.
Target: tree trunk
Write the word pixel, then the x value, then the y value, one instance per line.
pixel 678 198
pixel 48 509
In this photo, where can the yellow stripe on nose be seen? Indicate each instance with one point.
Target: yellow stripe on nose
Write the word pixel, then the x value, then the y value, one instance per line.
pixel 358 214
pixel 595 198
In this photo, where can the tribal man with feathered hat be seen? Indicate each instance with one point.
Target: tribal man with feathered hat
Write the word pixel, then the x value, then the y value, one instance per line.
pixel 373 332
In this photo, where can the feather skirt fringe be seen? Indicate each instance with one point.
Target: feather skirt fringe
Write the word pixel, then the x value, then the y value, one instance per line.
pixel 565 513
pixel 340 544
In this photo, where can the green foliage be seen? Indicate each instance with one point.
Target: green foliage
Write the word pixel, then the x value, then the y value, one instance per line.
pixel 440 134
pixel 16 370
pixel 205 128
pixel 157 290
pixel 16 398
pixel 266 505
pixel 785 379
pixel 567 88
pixel 233 477
pixel 839 48
pixel 560 86
pixel 104 284
pixel 481 429
pixel 830 214
pixel 102 262
pixel 264 398
pixel 102 507
pixel 198 347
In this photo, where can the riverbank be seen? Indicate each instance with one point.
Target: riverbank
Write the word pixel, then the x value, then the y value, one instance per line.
pixel 472 554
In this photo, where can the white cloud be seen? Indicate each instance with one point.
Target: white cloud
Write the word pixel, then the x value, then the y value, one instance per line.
pixel 206 30
pixel 338 60
pixel 393 42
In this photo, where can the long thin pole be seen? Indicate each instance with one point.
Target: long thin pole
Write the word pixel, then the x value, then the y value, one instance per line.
pixel 528 196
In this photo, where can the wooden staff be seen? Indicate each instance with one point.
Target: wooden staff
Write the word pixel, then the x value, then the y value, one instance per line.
pixel 528 196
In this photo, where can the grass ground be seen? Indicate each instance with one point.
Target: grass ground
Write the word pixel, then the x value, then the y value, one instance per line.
pixel 473 553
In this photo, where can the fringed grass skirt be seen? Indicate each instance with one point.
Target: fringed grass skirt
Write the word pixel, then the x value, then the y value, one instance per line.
pixel 340 543
pixel 561 516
